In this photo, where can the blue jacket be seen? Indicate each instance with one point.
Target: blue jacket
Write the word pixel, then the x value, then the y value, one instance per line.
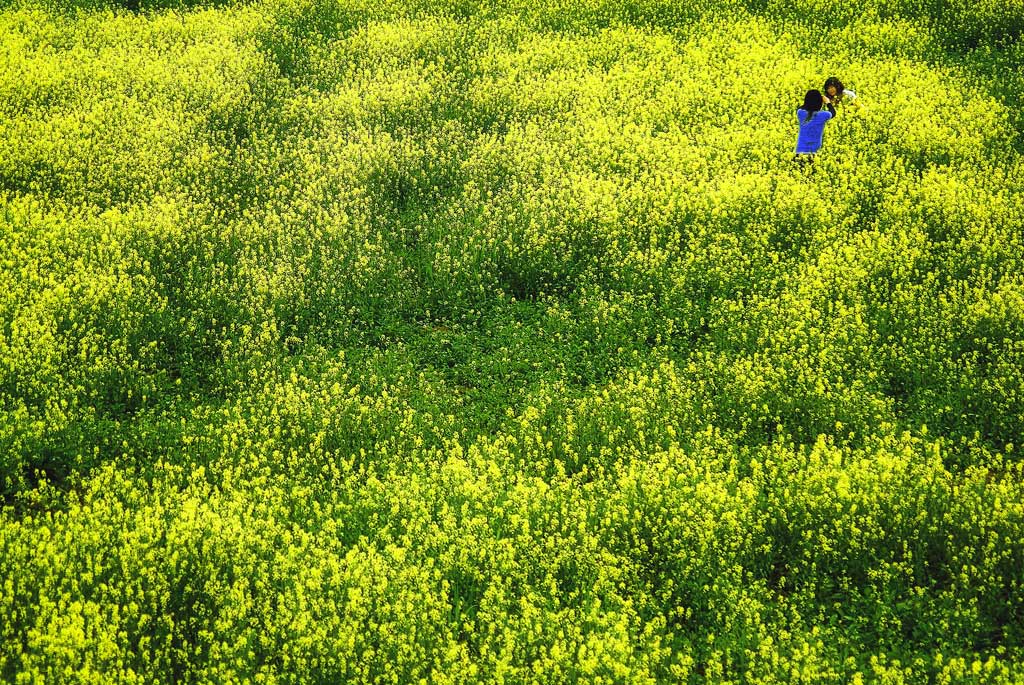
pixel 811 132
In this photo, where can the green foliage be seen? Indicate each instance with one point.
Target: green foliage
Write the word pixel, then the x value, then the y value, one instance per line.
pixel 501 342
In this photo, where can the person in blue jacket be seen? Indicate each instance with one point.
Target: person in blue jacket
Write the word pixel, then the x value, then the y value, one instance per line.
pixel 812 120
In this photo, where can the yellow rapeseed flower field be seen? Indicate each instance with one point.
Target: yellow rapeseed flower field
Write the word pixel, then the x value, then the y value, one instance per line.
pixel 364 341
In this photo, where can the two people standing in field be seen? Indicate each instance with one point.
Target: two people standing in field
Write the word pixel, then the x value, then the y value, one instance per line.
pixel 814 113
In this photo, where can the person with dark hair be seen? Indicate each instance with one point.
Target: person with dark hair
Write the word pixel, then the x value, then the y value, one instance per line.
pixel 835 93
pixel 812 120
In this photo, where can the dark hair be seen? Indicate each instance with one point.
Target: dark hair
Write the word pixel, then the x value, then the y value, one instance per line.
pixel 833 81
pixel 813 101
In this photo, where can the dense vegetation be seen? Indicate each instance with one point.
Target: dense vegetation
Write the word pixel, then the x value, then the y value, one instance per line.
pixel 346 341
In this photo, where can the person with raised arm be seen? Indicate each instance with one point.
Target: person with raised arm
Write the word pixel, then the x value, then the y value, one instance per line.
pixel 811 119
